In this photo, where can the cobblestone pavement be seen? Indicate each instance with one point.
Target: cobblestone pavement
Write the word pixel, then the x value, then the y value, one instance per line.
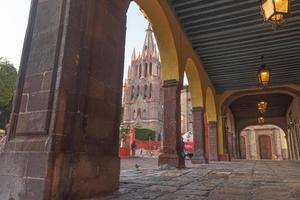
pixel 143 162
pixel 237 180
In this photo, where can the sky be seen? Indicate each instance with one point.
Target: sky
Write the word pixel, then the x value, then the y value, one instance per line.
pixel 13 21
pixel 14 17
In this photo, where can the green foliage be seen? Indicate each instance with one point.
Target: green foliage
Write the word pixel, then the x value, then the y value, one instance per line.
pixel 123 133
pixel 8 77
pixel 4 115
pixel 144 134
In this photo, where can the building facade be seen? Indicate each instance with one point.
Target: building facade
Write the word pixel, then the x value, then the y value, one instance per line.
pixel 143 94
pixel 263 142
pixel 142 91
pixel 186 110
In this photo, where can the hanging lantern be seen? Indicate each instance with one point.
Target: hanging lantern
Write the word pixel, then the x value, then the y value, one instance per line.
pixel 262 106
pixel 275 11
pixel 263 75
pixel 261 120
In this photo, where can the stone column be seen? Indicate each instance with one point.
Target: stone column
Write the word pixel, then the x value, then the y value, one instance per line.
pixel 289 144
pixel 63 141
pixel 213 140
pixel 277 143
pixel 198 131
pixel 172 143
pixel 252 142
pixel 296 145
pixel 225 156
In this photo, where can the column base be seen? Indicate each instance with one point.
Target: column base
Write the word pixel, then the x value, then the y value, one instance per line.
pixel 169 161
pixel 199 159
pixel 224 157
pixel 23 175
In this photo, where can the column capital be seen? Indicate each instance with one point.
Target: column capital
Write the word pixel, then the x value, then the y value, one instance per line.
pixel 170 83
pixel 198 109
pixel 212 124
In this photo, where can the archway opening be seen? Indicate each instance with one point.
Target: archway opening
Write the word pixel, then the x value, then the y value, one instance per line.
pixel 192 113
pixel 259 142
pixel 211 138
pixel 141 126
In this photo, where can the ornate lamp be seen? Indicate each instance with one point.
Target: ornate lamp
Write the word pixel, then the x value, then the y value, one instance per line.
pixel 263 74
pixel 262 106
pixel 274 11
pixel 261 120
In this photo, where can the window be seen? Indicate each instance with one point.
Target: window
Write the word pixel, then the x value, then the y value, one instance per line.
pixel 145 92
pixel 134 114
pixel 132 92
pixel 144 115
pixel 150 69
pixel 146 70
pixel 137 92
pixel 136 71
pixel 150 91
pixel 140 70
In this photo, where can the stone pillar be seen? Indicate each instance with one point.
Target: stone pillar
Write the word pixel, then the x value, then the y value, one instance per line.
pixel 198 130
pixel 225 156
pixel 289 144
pixel 63 141
pixel 277 143
pixel 172 143
pixel 295 141
pixel 213 140
pixel 252 142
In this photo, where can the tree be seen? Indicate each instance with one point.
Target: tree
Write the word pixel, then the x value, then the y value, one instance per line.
pixel 8 77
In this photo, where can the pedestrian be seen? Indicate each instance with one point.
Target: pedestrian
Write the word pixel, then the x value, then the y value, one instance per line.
pixel 133 148
pixel 141 152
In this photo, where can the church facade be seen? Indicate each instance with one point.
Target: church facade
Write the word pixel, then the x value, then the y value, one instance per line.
pixel 142 90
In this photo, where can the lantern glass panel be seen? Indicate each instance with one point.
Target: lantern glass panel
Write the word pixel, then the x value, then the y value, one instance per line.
pixel 264 76
pixel 262 106
pixel 282 6
pixel 261 120
pixel 268 9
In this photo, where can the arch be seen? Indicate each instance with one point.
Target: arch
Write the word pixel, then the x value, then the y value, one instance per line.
pixel 194 83
pixel 280 90
pixel 256 124
pixel 210 105
pixel 278 139
pixel 155 13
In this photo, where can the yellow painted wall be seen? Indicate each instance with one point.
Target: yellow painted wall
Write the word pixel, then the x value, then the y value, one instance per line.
pixel 177 56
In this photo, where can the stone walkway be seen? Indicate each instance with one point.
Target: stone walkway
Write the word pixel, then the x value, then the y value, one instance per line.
pixel 237 180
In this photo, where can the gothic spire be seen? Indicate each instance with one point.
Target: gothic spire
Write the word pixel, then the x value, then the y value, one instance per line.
pixel 149 45
pixel 133 57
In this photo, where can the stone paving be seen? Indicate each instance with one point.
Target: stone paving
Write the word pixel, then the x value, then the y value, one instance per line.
pixel 236 180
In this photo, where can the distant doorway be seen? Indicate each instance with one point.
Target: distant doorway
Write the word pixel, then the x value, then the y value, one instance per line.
pixel 265 147
pixel 243 148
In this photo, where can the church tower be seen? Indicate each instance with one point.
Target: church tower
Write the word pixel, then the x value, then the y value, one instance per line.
pixel 142 92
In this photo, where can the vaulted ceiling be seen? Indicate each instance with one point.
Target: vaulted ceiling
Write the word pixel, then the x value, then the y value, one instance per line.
pixel 230 37
pixel 246 107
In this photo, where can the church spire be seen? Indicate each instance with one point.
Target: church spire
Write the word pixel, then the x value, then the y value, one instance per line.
pixel 133 57
pixel 149 45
